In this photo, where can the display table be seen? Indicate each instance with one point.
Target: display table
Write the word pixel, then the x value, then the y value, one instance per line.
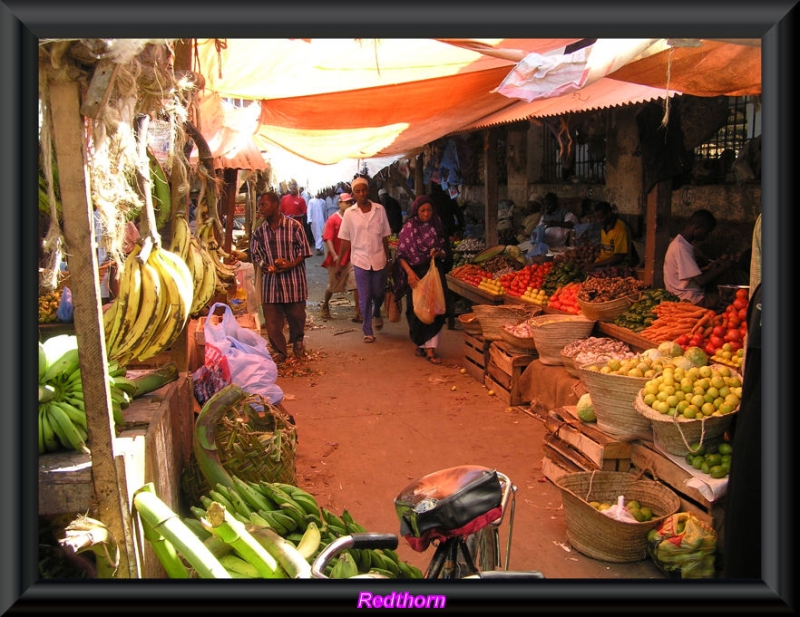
pixel 471 292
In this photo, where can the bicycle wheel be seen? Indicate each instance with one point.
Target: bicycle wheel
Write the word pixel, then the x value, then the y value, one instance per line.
pixel 483 548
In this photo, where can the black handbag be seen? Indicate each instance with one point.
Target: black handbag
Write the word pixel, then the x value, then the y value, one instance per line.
pixel 448 501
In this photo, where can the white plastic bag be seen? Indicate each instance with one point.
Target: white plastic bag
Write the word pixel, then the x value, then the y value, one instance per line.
pixel 619 512
pixel 241 355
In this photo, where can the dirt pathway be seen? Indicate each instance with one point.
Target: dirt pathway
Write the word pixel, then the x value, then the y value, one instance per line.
pixel 371 418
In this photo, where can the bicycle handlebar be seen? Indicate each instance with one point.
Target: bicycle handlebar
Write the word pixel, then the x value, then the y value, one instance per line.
pixel 365 540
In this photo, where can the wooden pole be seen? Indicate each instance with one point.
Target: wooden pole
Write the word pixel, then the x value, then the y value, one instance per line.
pixel 658 210
pixel 490 187
pixel 110 491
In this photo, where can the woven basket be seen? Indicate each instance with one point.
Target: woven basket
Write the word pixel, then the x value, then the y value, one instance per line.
pixel 518 343
pixel 612 398
pixel 676 435
pixel 551 333
pixel 601 537
pixel 607 311
pixel 569 364
pixel 469 323
pixel 256 441
pixel 493 317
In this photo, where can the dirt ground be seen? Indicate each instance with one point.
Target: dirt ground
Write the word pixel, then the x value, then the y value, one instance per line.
pixel 372 418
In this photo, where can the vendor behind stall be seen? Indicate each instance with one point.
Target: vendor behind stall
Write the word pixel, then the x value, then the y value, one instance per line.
pixel 557 222
pixel 683 275
pixel 615 238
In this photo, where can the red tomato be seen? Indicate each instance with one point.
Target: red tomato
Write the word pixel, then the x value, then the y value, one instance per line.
pixel 696 341
pixel 743 293
pixel 683 340
pixel 733 335
pixel 740 304
pixel 742 314
pixel 734 321
pixel 716 341
pixel 736 345
pixel 719 331
pixel 710 349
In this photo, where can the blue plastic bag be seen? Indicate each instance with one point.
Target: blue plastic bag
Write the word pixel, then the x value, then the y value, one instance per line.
pixel 64 310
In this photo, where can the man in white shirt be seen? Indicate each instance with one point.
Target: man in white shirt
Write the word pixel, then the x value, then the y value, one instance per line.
pixel 316 218
pixel 365 235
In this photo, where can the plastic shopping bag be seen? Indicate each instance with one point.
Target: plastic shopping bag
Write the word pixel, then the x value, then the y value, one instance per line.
pixel 683 546
pixel 64 311
pixel 240 355
pixel 428 296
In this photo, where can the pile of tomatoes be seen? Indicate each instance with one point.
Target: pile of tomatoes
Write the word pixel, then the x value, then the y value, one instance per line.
pixel 566 298
pixel 531 275
pixel 730 326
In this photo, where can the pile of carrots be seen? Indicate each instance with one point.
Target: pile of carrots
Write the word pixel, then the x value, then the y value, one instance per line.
pixel 677 318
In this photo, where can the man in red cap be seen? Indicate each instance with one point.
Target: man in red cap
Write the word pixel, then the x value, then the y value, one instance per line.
pixel 339 279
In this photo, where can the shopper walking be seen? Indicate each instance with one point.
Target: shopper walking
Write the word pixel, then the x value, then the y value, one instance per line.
pixel 421 240
pixel 340 280
pixel 280 248
pixel 365 235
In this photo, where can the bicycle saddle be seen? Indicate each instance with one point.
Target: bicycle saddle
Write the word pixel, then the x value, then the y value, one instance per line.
pixel 447 503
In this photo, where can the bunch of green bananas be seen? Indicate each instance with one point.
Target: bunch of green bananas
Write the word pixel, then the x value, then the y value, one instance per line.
pixel 294 514
pixel 62 414
pixel 156 292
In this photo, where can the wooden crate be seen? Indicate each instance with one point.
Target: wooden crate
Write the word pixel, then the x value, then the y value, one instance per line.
pixel 603 451
pixel 476 355
pixel 654 464
pixel 503 370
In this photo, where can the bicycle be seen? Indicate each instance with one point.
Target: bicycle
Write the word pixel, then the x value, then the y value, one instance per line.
pixel 459 510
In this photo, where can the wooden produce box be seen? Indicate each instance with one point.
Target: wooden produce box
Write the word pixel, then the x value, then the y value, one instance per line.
pixel 645 458
pixel 572 445
pixel 476 355
pixel 246 320
pixel 503 371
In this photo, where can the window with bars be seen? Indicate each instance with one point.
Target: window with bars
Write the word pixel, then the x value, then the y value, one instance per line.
pixel 568 155
pixel 718 154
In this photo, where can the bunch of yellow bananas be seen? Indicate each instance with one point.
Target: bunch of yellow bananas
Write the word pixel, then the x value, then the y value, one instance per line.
pixel 198 260
pixel 156 292
pixel 226 274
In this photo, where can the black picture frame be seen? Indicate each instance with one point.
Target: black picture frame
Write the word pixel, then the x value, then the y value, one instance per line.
pixel 22 24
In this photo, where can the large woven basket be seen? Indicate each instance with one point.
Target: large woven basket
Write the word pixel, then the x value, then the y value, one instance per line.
pixel 469 323
pixel 677 435
pixel 607 311
pixel 551 333
pixel 518 343
pixel 601 537
pixel 613 397
pixel 493 317
pixel 255 440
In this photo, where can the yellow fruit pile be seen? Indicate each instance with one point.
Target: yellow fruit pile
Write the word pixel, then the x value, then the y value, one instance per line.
pixel 48 305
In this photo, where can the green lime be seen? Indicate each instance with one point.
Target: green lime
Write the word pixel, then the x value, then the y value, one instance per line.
pixel 718 471
pixel 713 459
pixel 697 462
pixel 705 467
pixel 725 448
pixel 697 448
pixel 633 505
pixel 647 513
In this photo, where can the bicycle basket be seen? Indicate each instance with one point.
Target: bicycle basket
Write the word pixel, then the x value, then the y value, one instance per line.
pixel 456 501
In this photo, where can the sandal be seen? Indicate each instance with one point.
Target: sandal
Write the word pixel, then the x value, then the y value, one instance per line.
pixel 369 338
pixel 434 359
pixel 326 313
pixel 378 323
pixel 357 319
pixel 419 352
